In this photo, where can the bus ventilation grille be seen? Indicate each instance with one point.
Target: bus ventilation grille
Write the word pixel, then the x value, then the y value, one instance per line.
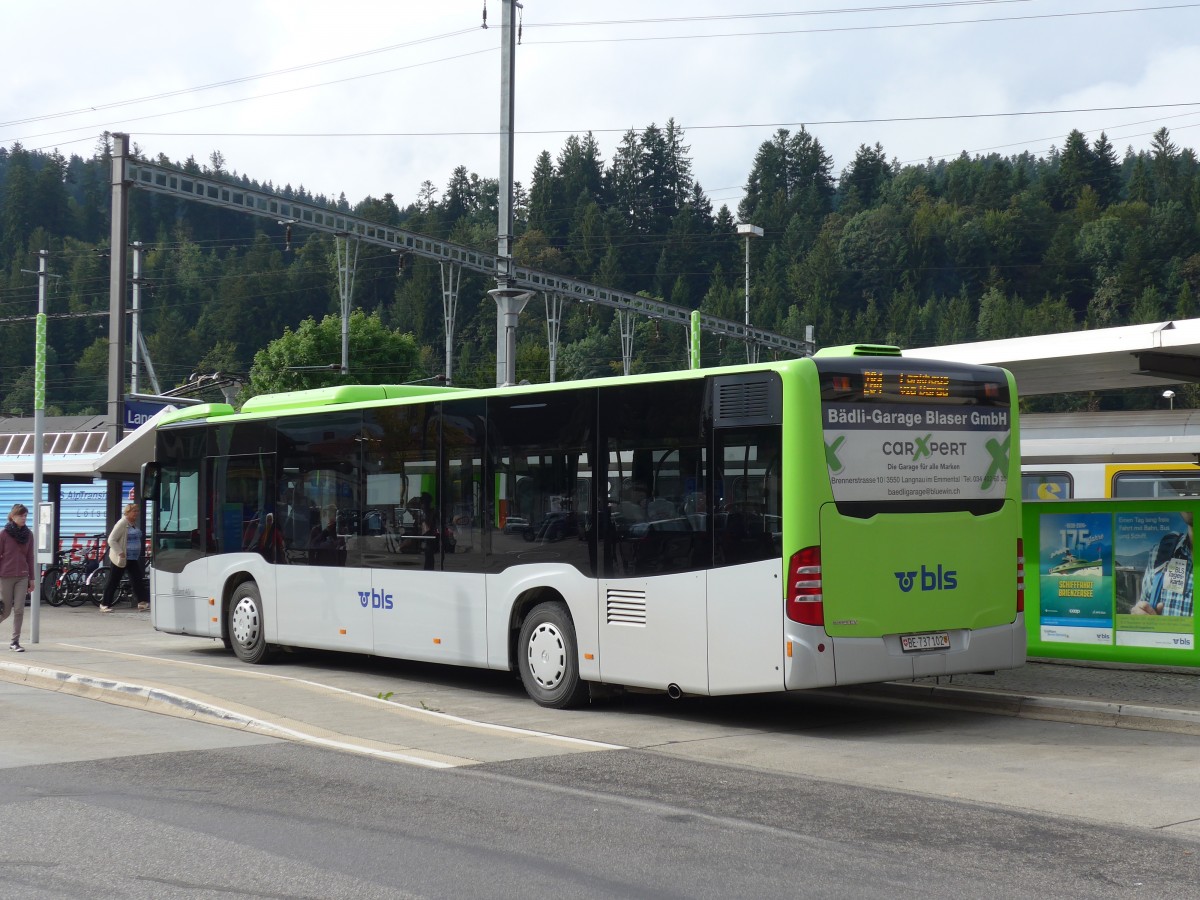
pixel 626 607
pixel 745 402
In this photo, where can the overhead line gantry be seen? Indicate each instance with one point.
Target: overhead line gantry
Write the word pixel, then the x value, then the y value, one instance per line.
pixel 129 172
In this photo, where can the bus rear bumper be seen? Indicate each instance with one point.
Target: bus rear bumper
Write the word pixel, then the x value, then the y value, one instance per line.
pixel 867 660
pixel 817 660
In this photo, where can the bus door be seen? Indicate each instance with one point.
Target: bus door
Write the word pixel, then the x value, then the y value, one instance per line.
pixel 745 622
pixel 179 577
pixel 653 623
pixel 318 592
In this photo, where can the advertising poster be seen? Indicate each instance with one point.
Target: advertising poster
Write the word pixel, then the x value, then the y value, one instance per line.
pixel 1075 571
pixel 892 451
pixel 1153 575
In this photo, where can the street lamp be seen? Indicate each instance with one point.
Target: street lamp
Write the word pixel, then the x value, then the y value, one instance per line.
pixel 1170 397
pixel 749 231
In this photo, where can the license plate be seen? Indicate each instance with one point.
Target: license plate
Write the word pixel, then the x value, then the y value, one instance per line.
pixel 914 643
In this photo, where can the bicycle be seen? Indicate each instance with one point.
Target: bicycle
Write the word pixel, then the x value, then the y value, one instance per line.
pixel 97 582
pixel 50 576
pixel 69 585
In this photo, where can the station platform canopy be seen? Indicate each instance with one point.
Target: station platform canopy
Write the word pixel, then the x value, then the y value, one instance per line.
pixel 80 454
pixel 1157 354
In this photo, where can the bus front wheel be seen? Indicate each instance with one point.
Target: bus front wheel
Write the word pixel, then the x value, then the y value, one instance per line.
pixel 548 658
pixel 247 625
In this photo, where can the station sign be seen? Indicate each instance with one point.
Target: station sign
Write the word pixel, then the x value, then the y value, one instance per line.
pixel 137 412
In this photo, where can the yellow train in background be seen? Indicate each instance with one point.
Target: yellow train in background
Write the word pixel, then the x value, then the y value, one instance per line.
pixel 1149 455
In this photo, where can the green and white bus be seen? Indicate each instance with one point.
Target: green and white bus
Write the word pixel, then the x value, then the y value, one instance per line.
pixel 847 518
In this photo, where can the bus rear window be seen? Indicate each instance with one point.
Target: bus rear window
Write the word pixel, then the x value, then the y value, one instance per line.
pixel 900 431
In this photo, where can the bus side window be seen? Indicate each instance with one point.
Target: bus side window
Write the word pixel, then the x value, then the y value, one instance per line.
pixel 748 522
pixel 321 460
pixel 539 449
pixel 656 521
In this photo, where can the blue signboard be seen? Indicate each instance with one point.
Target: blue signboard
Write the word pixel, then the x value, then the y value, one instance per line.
pixel 138 411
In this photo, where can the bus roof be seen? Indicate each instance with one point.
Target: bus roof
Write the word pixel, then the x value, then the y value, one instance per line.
pixel 368 395
pixel 352 396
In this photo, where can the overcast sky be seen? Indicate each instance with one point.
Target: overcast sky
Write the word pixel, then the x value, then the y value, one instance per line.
pixel 382 96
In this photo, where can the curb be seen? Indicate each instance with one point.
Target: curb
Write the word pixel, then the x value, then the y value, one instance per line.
pixel 1134 716
pixel 157 700
pixel 122 693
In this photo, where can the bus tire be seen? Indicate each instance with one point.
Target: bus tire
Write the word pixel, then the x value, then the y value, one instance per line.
pixel 247 624
pixel 548 658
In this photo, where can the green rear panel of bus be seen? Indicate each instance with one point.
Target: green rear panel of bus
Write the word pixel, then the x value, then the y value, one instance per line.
pixel 902 568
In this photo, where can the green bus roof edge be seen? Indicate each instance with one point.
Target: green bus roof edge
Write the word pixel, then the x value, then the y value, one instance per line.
pixel 351 396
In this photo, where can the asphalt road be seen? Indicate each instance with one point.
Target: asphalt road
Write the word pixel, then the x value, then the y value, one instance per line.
pixel 120 802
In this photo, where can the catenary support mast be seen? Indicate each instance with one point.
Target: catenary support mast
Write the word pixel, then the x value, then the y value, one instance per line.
pixel 509 300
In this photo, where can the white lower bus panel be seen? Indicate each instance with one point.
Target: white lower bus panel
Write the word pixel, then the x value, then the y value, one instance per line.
pixel 714 632
pixel 181 602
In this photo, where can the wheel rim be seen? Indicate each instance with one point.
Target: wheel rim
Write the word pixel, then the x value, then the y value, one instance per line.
pixel 547 656
pixel 244 623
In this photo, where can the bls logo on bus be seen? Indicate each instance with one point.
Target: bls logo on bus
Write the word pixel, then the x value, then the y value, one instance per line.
pixel 375 599
pixel 938 579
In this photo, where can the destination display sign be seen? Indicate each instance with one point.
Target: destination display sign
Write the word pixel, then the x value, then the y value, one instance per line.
pixel 904 385
pixel 907 384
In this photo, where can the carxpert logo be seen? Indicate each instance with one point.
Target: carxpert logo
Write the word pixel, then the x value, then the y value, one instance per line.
pixel 374 599
pixel 939 579
pixel 831 454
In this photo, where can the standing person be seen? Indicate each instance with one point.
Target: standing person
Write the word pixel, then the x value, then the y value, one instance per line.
pixel 16 571
pixel 125 553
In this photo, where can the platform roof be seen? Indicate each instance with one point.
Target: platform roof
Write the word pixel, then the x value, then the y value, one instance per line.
pixel 77 455
pixel 1159 354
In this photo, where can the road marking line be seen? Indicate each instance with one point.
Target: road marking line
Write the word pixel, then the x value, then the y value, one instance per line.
pixel 460 720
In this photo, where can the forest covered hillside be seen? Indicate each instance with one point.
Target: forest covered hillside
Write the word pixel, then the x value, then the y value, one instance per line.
pixel 975 248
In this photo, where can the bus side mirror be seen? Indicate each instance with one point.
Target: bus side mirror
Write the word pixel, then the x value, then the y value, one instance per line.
pixel 150 479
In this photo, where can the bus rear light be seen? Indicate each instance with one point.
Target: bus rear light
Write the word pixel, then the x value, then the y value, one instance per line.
pixel 1020 575
pixel 805 603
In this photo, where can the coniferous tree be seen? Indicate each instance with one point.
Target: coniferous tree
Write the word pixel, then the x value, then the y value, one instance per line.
pixel 865 178
pixel 543 203
pixel 581 169
pixel 1107 182
pixel 1077 169
pixel 19 210
pixel 1164 166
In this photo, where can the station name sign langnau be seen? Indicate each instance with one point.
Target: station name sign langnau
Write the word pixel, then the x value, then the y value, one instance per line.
pixel 137 412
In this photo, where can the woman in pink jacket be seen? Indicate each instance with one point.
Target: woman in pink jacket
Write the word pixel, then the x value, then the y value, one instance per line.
pixel 16 571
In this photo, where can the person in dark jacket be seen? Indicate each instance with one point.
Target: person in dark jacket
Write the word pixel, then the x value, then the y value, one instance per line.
pixel 16 571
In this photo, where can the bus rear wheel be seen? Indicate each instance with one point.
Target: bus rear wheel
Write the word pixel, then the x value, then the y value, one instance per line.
pixel 548 658
pixel 247 624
